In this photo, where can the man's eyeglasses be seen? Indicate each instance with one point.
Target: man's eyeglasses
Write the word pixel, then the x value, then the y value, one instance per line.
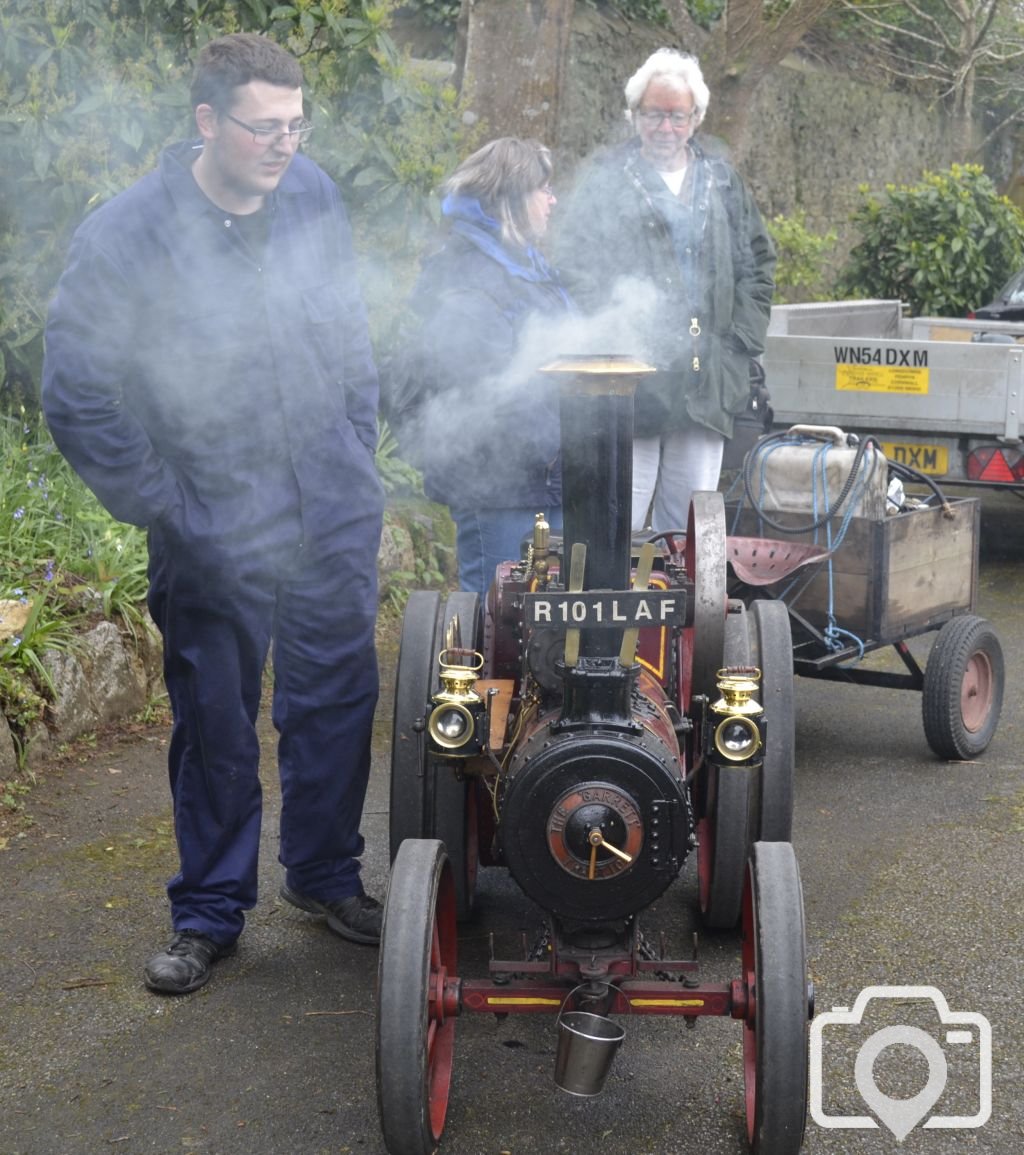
pixel 299 133
pixel 654 116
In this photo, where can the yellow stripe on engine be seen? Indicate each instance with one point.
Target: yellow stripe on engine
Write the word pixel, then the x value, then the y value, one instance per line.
pixel 510 1002
pixel 666 1002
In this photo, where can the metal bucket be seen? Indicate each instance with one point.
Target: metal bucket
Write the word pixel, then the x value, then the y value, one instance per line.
pixel 587 1044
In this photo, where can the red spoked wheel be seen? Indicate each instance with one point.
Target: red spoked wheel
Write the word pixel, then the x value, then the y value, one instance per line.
pixel 416 999
pixel 776 1001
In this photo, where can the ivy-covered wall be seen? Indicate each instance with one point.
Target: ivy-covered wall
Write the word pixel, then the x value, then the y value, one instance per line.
pixel 823 135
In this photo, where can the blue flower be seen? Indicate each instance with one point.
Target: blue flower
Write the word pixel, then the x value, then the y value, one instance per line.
pixel 48 572
pixel 19 513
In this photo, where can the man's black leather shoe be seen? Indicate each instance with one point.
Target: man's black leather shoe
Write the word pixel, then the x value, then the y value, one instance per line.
pixel 186 964
pixel 358 918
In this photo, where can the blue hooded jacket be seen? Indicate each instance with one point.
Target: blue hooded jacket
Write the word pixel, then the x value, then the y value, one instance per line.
pixel 487 318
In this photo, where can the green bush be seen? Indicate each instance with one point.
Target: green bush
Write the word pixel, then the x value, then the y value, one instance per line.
pixel 802 272
pixel 66 561
pixel 91 90
pixel 943 246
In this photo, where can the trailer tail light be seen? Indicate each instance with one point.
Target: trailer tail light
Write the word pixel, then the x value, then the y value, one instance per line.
pixel 993 464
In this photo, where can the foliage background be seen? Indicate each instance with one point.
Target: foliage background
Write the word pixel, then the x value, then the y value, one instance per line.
pixel 91 90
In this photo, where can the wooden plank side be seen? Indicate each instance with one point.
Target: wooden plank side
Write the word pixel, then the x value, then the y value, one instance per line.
pixel 931 566
pixel 890 577
pixel 848 597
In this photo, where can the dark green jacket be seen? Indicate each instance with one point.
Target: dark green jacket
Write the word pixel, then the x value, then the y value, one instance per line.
pixel 695 302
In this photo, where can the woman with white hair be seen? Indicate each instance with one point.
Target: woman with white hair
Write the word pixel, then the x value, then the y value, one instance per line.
pixel 666 212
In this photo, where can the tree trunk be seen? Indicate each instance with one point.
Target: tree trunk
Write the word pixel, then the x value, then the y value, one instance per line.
pixel 744 47
pixel 511 64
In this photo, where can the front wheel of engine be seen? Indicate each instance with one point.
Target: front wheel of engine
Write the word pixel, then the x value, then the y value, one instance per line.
pixel 415 1023
pixel 775 1044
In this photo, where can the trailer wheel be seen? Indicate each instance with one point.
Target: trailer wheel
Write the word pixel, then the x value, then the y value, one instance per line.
pixel 772 792
pixel 963 688
pixel 722 843
pixel 415 1027
pixel 775 1053
pixel 427 799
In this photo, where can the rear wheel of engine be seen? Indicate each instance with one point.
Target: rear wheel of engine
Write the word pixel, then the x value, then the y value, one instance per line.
pixel 775 1049
pixel 722 804
pixel 963 688
pixel 453 805
pixel 414 680
pixel 773 788
pixel 722 843
pixel 428 800
pixel 736 649
pixel 415 1027
pixel 705 556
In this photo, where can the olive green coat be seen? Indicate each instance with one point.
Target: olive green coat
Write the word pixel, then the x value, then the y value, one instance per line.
pixel 697 308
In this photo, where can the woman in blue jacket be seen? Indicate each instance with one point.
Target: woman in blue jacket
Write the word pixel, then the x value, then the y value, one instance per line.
pixel 488 307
